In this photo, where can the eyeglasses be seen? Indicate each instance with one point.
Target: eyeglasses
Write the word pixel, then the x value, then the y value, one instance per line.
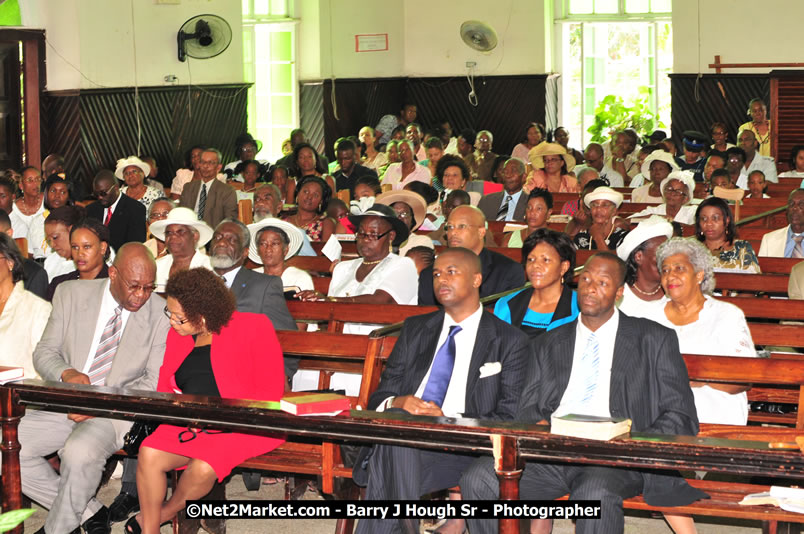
pixel 371 237
pixel 172 316
pixel 135 288
pixel 99 193
pixel 670 190
pixel 159 215
pixel 190 434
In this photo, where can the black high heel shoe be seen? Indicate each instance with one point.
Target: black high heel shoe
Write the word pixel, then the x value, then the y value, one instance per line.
pixel 132 526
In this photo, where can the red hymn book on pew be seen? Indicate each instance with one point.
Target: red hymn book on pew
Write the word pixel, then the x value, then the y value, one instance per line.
pixel 315 404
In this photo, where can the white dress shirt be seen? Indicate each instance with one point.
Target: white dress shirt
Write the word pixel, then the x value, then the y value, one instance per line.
pixel 455 399
pixel 759 163
pixel 228 277
pixel 164 264
pixel 111 208
pixel 599 403
pixel 205 185
pixel 108 304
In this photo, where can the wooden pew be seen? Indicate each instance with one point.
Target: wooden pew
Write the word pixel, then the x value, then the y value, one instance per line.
pixel 516 442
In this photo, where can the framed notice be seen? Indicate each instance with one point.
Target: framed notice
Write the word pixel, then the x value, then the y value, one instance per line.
pixel 371 42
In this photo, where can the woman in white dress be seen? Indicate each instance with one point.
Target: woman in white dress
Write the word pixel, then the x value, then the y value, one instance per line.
pixel 704 325
pixel 23 315
pixel 27 212
pixel 377 277
pixel 273 242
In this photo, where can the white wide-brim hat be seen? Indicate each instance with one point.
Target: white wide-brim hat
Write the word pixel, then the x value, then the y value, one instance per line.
pixel 657 155
pixel 685 177
pixel 654 226
pixel 293 232
pixel 604 193
pixel 132 161
pixel 184 216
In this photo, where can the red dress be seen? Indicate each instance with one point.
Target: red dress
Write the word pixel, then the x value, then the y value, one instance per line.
pixel 247 362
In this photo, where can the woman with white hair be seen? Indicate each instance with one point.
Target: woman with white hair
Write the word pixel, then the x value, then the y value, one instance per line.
pixel 602 233
pixel 132 171
pixel 703 324
pixel 677 190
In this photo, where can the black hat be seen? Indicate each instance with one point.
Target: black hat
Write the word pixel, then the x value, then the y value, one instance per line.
pixel 387 213
pixel 695 140
pixel 242 139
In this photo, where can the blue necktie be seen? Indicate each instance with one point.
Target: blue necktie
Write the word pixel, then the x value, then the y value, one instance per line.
pixel 440 374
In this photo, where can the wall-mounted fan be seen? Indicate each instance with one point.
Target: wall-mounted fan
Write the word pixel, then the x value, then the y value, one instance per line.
pixel 203 37
pixel 478 35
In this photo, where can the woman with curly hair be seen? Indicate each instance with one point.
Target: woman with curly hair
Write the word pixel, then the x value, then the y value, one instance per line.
pixel 312 197
pixel 216 351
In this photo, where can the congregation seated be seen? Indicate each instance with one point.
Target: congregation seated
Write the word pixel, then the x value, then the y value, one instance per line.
pixel 371 157
pixel 434 151
pixel 624 159
pixel 57 192
pixel 280 177
pixel 754 160
pixel 250 171
pixel 534 135
pixel 551 167
pixel 273 242
pixel 132 171
pixel 54 164
pixel 124 216
pixel 787 242
pixel 407 170
pixel 34 275
pixel 184 236
pixel 693 159
pixel 466 228
pixel 268 204
pixel 561 136
pixel 757 185
pixel 90 250
pixel 482 159
pixel 656 167
pixel 23 315
pixel 27 212
pixel 191 172
pixel 350 171
pixel 585 175
pixel 759 125
pixel 246 149
pixel 411 209
pixel 537 212
pixel 714 227
pixel 452 174
pixel 796 163
pixel 305 161
pixel 451 201
pixel 594 157
pixel 677 191
pixel 312 198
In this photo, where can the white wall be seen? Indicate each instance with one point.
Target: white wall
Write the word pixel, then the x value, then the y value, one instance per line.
pixel 740 31
pixel 97 37
pixel 424 38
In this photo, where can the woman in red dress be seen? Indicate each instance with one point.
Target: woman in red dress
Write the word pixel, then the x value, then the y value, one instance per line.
pixel 216 351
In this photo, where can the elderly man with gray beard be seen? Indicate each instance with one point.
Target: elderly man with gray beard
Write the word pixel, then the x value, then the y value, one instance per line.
pixel 268 204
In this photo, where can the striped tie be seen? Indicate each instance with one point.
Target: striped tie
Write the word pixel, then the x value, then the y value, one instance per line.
pixel 202 202
pixel 503 213
pixel 107 347
pixel 798 251
pixel 590 363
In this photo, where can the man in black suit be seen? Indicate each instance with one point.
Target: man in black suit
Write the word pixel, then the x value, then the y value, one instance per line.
pixel 124 216
pixel 511 203
pixel 466 227
pixel 350 172
pixel 35 276
pixel 460 361
pixel 210 198
pixel 608 364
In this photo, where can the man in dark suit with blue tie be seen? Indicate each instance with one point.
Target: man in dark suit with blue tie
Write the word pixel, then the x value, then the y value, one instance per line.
pixel 458 362
pixel 608 364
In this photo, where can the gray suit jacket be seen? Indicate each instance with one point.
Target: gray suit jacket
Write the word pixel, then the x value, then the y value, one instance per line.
pixel 262 293
pixel 221 201
pixel 490 205
pixel 66 341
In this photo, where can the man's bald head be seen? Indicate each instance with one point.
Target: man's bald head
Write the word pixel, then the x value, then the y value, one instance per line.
pixel 473 212
pixel 466 227
pixel 464 255
pixel 132 276
pixel 457 278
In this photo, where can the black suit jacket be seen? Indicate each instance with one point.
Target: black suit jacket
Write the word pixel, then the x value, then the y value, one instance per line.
pixel 500 273
pixel 127 224
pixel 348 182
pixel 490 205
pixel 262 293
pixel 649 385
pixel 35 278
pixel 490 397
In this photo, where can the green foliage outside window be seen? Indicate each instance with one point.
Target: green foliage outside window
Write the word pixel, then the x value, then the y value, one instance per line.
pixel 613 114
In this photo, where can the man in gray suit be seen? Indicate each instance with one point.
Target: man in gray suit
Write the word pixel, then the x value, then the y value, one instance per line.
pixel 510 203
pixel 216 201
pixel 255 292
pixel 105 333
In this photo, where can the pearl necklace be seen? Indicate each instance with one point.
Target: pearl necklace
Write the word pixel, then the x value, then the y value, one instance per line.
pixel 372 262
pixel 648 293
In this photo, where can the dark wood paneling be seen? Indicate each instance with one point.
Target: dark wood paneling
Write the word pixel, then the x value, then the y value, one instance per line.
pixel 94 128
pixel 697 103
pixel 505 105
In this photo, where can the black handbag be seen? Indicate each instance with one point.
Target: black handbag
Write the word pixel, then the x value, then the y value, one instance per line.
pixel 138 432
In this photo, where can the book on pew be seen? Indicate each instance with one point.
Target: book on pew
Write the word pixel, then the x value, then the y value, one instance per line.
pixel 788 499
pixel 9 374
pixel 315 404
pixel 589 426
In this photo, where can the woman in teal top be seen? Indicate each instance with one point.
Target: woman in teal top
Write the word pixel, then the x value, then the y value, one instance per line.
pixel 549 260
